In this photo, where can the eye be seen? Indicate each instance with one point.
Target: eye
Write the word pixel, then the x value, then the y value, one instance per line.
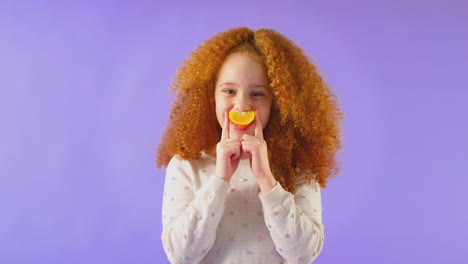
pixel 257 94
pixel 228 91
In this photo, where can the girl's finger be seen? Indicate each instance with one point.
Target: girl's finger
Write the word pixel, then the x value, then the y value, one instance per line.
pixel 234 153
pixel 233 139
pixel 235 156
pixel 251 145
pixel 246 146
pixel 225 129
pixel 258 126
pixel 246 137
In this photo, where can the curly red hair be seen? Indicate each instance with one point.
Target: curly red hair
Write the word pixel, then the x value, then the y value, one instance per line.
pixel 302 134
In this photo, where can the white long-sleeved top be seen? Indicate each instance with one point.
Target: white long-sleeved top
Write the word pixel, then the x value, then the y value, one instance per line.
pixel 209 220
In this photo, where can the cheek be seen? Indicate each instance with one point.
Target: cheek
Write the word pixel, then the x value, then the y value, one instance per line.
pixel 219 115
pixel 265 116
pixel 265 120
pixel 220 109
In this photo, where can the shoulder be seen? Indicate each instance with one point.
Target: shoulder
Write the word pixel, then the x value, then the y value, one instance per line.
pixel 302 178
pixel 203 162
pixel 176 162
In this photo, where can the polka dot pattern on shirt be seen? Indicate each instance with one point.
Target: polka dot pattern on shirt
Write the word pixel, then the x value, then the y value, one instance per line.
pixel 242 199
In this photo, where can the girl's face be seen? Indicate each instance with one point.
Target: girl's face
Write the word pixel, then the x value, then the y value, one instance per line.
pixel 242 85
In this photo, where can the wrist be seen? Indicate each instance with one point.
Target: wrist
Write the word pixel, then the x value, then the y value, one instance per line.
pixel 225 178
pixel 266 184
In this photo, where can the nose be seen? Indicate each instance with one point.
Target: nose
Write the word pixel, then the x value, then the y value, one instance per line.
pixel 243 103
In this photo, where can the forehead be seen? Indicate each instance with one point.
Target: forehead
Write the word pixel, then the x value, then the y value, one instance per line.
pixel 242 67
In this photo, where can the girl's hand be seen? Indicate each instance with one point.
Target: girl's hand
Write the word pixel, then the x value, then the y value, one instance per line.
pixel 256 148
pixel 228 152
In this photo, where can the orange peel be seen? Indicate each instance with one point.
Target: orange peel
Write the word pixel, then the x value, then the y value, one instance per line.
pixel 242 119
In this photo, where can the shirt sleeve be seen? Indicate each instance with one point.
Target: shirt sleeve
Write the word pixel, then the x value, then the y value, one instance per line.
pixel 295 221
pixel 190 218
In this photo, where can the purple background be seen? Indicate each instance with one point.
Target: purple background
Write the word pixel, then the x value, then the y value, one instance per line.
pixel 84 99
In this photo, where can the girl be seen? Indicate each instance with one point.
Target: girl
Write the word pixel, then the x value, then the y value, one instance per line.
pixel 247 193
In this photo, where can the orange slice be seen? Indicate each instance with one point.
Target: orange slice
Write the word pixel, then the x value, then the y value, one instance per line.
pixel 242 118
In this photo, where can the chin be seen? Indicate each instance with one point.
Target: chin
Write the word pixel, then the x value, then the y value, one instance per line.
pixel 234 132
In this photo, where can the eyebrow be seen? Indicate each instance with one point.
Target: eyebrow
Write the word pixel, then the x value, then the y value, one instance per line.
pixel 236 84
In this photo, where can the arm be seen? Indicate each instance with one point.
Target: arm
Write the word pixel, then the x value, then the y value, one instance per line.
pixel 295 221
pixel 190 218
